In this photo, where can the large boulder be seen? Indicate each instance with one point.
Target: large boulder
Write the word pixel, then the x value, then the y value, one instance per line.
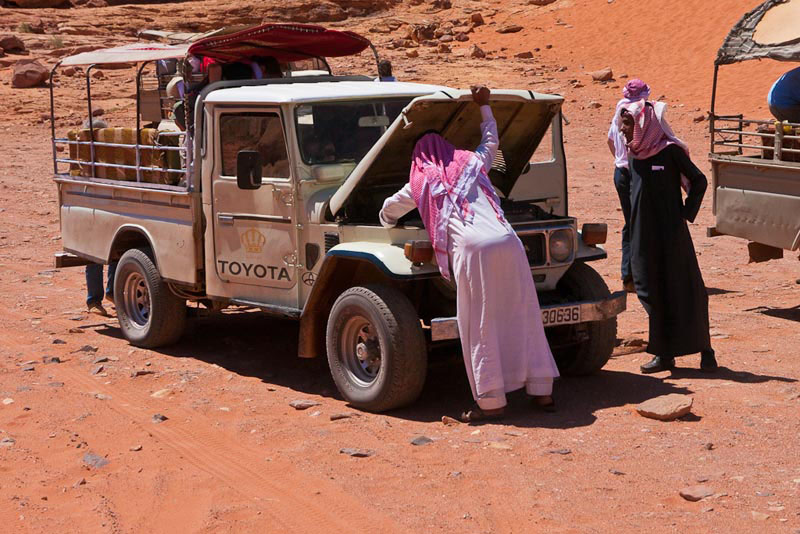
pixel 12 44
pixel 31 4
pixel 29 74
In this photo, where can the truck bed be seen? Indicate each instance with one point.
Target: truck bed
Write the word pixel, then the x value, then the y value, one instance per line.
pixel 100 220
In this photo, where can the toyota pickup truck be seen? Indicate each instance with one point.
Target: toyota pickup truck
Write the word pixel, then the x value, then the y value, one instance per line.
pixel 278 209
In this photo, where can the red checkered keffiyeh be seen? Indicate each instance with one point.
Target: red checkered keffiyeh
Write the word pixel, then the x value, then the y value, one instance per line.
pixel 437 169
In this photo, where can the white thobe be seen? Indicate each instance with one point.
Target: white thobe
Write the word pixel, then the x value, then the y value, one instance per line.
pixel 498 313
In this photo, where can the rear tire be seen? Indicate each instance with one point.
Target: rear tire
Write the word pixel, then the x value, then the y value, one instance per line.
pixel 588 356
pixel 149 314
pixel 376 349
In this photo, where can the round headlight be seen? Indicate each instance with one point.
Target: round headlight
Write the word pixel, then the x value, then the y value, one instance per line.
pixel 561 245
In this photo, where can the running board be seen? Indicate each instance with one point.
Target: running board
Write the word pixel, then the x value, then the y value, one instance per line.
pixel 445 328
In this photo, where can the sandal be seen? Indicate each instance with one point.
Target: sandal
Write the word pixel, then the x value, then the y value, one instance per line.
pixel 477 415
pixel 544 403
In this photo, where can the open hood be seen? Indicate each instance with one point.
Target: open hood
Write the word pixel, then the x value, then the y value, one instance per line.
pixel 523 118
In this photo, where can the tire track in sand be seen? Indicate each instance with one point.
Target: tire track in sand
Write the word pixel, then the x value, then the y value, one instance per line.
pixel 285 490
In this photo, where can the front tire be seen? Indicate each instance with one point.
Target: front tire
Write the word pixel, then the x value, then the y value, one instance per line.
pixel 149 314
pixel 595 339
pixel 376 349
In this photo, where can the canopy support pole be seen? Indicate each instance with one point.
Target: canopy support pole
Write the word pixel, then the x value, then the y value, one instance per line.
pixel 91 122
pixel 711 119
pixel 53 118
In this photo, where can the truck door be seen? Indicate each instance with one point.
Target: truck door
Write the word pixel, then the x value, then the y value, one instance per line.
pixel 254 234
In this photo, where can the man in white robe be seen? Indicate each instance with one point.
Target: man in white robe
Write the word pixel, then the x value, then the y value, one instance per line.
pixel 498 313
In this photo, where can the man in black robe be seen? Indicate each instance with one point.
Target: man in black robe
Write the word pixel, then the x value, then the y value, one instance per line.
pixel 665 270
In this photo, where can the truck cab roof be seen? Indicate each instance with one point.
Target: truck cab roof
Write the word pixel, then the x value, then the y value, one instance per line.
pixel 322 91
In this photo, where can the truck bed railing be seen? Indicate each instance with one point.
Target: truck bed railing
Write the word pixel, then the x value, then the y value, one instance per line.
pixel 136 150
pixel 780 141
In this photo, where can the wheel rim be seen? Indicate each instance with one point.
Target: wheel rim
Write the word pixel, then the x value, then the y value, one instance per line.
pixel 136 300
pixel 360 351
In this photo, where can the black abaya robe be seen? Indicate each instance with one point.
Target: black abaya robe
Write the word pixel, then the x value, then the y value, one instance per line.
pixel 665 270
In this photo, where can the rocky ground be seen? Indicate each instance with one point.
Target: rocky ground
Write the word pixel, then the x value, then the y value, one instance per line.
pixel 82 450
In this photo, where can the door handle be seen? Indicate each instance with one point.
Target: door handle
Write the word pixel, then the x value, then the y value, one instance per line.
pixel 225 219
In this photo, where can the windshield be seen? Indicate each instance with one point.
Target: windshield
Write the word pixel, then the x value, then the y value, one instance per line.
pixel 343 132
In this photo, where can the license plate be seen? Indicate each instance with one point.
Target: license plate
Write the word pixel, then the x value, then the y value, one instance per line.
pixel 561 315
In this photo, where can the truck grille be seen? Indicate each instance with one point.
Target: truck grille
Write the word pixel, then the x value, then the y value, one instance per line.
pixel 534 248
pixel 331 240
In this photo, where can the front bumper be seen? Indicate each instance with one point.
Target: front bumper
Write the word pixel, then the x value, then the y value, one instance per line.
pixel 445 328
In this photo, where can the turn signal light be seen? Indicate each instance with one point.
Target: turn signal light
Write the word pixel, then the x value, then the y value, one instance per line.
pixel 594 233
pixel 418 252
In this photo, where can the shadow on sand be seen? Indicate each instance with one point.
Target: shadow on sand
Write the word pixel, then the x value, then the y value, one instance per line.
pixel 250 343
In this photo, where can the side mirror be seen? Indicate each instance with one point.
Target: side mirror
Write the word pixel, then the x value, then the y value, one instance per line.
pixel 248 169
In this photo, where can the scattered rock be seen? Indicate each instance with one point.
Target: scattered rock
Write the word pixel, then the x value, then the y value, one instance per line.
pixel 443 48
pixel 75 330
pixel 455 474
pixel 28 368
pixel 101 359
pixel 602 75
pixel 560 451
pixel 98 74
pixel 764 494
pixel 542 2
pixel 98 369
pixel 303 404
pixel 7 442
pixel 11 44
pixel 141 372
pixel 595 105
pixel 342 415
pixel 93 460
pixel 411 54
pixel 512 28
pixel 56 384
pixel 699 118
pixel 357 453
pixel 98 111
pixel 8 401
pixel 421 440
pixel 158 418
pixel 449 421
pixel 476 19
pixel 500 445
pixel 759 516
pixel 81 482
pixel 447 38
pixel 696 493
pixel 161 393
pixel 102 396
pixel 634 342
pixel 461 37
pixel 86 348
pixel 30 74
pixel 616 472
pixel 708 446
pixel 476 52
pixel 524 55
pixel 136 448
pixel 59 342
pixel 666 407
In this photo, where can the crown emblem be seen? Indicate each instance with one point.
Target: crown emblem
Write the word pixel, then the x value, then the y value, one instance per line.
pixel 253 241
